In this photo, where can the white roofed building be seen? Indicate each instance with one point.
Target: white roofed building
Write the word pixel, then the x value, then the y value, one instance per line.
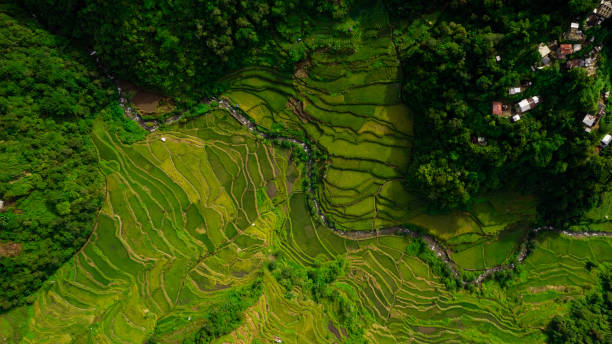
pixel 605 9
pixel 527 104
pixel 514 90
pixel 589 120
pixel 543 49
pixel 606 140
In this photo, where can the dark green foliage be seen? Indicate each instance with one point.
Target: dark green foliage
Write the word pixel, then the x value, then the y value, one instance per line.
pixel 314 280
pixel 589 319
pixel 49 176
pixel 226 316
pixel 318 282
pixel 182 47
pixel 126 129
pixel 418 248
pixel 450 78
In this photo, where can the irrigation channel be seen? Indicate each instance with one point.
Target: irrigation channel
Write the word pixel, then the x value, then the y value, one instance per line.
pixel 431 242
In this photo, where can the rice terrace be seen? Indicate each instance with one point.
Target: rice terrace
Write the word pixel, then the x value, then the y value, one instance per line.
pixel 317 171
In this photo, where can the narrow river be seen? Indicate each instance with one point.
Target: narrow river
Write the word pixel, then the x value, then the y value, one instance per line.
pixel 432 243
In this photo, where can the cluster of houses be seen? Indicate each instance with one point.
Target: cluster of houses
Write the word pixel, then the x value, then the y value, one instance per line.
pixel 574 40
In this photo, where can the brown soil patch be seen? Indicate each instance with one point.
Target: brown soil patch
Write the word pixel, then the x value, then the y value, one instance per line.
pixel 271 189
pixel 333 329
pixel 146 101
pixel 10 249
pixel 545 288
pixel 298 108
pixel 426 330
pixel 301 70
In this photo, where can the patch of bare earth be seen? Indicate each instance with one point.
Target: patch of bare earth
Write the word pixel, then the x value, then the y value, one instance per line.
pixel 545 288
pixel 146 102
pixel 271 189
pixel 333 329
pixel 301 70
pixel 10 249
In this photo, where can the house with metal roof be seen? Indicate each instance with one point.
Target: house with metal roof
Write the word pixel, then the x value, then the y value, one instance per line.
pixel 527 104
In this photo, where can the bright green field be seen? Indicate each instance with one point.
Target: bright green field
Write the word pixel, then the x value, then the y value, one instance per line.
pixel 349 104
pixel 189 218
pixel 600 218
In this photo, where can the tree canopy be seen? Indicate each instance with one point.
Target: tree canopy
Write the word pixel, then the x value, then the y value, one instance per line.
pixel 451 77
pixel 589 319
pixel 49 178
pixel 182 47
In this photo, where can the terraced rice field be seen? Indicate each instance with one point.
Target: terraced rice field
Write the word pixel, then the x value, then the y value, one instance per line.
pixel 348 103
pixel 600 218
pixel 184 220
pixel 188 219
pixel 408 304
pixel 192 217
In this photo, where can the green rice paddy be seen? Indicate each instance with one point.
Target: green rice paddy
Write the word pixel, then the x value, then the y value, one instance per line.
pixel 189 218
pixel 599 218
pixel 348 103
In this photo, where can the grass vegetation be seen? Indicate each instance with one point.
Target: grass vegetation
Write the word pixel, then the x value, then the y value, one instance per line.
pixel 347 102
pixel 155 269
pixel 207 236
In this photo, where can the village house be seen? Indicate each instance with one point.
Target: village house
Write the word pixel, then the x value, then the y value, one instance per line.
pixel 479 140
pixel 603 12
pixel 574 63
pixel 565 49
pixel 544 50
pixel 516 118
pixel 514 90
pixel 527 104
pixel 606 140
pixel 575 34
pixel 591 66
pixel 601 109
pixel 546 61
pixel 605 9
pixel 497 108
pixel 589 121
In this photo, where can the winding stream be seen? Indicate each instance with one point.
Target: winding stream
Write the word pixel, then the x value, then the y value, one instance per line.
pixel 432 242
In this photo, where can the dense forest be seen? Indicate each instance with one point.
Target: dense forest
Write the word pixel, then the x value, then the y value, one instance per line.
pixel 182 47
pixel 49 179
pixel 589 319
pixel 451 77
